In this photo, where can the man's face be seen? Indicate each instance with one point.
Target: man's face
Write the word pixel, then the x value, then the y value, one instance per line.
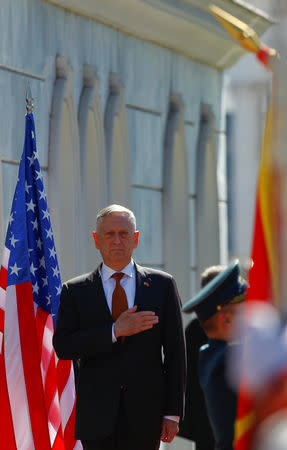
pixel 116 239
pixel 236 309
pixel 232 312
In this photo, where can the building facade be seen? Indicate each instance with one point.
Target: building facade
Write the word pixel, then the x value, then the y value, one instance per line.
pixel 128 109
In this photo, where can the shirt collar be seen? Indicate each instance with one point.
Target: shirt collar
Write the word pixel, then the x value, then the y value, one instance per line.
pixel 107 272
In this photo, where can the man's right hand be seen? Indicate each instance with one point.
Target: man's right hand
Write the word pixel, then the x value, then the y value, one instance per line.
pixel 131 322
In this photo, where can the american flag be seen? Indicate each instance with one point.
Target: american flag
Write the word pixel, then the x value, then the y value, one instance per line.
pixel 37 394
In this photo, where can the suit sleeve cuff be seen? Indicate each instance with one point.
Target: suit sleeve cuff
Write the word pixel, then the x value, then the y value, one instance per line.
pixel 175 418
pixel 114 339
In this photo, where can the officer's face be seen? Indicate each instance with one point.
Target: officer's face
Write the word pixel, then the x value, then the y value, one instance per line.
pixel 234 311
pixel 116 239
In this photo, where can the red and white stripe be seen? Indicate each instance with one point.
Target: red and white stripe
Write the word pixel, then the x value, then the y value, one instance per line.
pixel 31 378
pixel 3 284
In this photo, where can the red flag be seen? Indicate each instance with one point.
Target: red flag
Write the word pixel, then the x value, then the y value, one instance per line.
pixel 264 273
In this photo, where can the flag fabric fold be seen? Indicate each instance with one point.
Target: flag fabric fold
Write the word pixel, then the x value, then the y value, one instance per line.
pixel 264 273
pixel 37 394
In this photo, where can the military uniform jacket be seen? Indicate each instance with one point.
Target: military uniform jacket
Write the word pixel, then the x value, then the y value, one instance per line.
pixel 196 424
pixel 153 385
pixel 221 400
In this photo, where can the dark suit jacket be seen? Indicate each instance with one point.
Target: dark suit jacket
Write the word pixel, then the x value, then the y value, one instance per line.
pixel 151 365
pixel 221 400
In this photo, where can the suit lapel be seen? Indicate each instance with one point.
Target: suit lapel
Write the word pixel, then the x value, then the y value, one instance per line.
pixel 98 293
pixel 143 283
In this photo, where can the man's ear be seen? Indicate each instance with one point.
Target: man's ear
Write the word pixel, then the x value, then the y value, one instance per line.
pixel 136 239
pixel 96 239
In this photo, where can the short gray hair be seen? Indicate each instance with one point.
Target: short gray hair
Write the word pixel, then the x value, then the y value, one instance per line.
pixel 116 209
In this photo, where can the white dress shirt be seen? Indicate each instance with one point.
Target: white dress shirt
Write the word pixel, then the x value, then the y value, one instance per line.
pixel 128 282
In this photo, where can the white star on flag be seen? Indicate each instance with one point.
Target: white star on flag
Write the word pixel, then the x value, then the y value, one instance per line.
pixel 49 233
pixel 52 252
pixel 13 240
pixel 33 268
pixel 31 160
pixel 15 269
pixel 42 262
pixel 56 271
pixel 35 224
pixel 27 187
pixel 46 214
pixel 59 289
pixel 31 206
pixel 35 155
pixel 11 218
pixel 35 288
pixel 39 175
pixel 42 195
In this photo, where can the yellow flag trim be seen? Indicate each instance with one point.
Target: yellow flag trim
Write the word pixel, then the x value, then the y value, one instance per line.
pixel 243 425
pixel 266 200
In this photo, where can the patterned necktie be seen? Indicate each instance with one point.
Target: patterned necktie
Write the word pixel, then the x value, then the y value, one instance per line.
pixel 119 299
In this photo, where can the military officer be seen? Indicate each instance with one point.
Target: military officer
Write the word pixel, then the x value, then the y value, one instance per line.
pixel 216 307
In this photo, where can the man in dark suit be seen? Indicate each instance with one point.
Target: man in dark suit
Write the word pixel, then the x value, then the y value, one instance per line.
pixel 123 324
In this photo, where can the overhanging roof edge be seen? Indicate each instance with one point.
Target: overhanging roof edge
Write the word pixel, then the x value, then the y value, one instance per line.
pixel 158 25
